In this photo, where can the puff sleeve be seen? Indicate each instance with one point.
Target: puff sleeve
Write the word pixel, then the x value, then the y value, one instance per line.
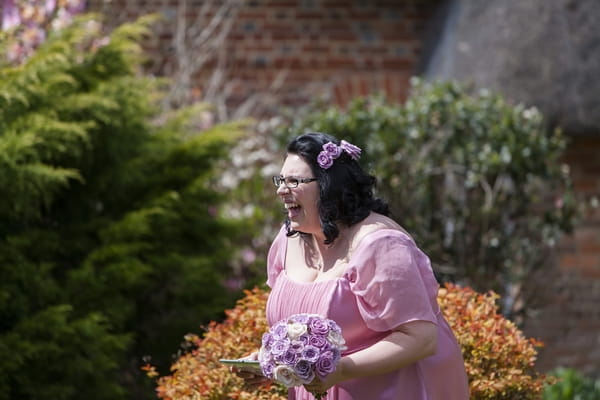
pixel 393 281
pixel 276 257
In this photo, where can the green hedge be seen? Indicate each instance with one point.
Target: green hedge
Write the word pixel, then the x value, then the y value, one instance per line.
pixel 478 181
pixel 112 246
pixel 572 385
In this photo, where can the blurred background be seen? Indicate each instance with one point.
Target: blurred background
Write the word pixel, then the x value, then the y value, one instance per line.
pixel 135 157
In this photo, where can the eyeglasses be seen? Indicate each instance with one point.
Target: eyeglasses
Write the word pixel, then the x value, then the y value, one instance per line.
pixel 290 181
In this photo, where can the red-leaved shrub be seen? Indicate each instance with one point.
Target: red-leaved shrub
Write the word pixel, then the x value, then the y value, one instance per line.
pixel 198 374
pixel 498 358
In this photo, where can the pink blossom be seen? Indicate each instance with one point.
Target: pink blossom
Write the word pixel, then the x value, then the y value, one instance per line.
pixel 10 15
pixel 248 255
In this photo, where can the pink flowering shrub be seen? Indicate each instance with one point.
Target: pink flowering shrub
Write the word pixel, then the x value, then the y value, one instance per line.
pixel 31 22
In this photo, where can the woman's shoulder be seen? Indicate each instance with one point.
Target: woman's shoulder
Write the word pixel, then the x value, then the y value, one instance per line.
pixel 377 226
pixel 279 243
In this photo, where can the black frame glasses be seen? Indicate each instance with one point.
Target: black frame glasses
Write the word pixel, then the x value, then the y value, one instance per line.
pixel 290 181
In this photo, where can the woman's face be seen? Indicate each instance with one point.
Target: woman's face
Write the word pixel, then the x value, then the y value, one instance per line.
pixel 300 202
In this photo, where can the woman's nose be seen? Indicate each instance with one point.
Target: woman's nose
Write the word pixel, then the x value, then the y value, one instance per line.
pixel 282 188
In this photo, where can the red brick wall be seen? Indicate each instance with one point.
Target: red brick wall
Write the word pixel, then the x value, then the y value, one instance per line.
pixel 567 316
pixel 337 48
pixel 581 251
pixel 344 48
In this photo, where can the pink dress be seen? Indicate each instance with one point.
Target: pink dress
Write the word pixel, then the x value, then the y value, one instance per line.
pixel 388 282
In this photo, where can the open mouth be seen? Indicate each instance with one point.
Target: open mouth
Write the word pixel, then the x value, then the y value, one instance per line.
pixel 289 206
pixel 293 209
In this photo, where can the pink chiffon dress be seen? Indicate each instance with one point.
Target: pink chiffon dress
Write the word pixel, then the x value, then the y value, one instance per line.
pixel 388 282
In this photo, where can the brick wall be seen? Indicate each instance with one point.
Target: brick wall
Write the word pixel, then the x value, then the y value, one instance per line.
pixel 567 314
pixel 336 48
pixel 344 48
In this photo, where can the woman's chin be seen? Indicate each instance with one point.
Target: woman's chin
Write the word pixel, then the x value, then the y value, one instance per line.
pixel 295 225
pixel 299 226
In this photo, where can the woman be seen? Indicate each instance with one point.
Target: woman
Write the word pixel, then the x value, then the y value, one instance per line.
pixel 340 255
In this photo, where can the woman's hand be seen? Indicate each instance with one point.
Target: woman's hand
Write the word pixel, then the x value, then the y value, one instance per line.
pixel 407 344
pixel 251 377
pixel 322 385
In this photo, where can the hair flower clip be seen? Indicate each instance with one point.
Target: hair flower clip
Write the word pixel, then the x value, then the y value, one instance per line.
pixel 331 151
pixel 352 150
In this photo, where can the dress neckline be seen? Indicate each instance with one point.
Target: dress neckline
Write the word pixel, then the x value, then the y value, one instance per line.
pixel 296 282
pixel 344 275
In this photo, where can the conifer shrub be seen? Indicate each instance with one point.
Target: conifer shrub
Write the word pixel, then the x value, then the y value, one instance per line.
pixel 113 244
pixel 499 359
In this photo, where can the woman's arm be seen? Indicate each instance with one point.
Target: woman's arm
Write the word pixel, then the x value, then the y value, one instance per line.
pixel 407 344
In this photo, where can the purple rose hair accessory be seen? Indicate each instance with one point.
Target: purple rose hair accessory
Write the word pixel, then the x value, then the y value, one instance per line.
pixel 331 151
pixel 324 160
pixel 352 150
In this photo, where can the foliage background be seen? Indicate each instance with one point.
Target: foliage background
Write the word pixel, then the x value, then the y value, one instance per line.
pixel 113 244
pixel 122 228
pixel 478 182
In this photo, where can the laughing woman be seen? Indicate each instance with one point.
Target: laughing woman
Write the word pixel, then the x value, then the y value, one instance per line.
pixel 340 255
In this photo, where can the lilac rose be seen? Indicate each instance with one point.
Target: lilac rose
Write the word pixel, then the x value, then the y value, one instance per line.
pixel 332 149
pixel 304 371
pixel 310 353
pixel 279 331
pixel 304 338
pixel 267 341
pixel 319 342
pixel 290 357
pixel 279 347
pixel 318 326
pixel 334 326
pixel 297 346
pixel 267 368
pixel 324 160
pixel 301 318
pixel 325 364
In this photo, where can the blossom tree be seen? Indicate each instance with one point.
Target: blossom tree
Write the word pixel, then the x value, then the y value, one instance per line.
pixel 31 21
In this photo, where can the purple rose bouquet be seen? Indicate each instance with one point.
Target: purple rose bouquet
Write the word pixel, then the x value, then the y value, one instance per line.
pixel 300 348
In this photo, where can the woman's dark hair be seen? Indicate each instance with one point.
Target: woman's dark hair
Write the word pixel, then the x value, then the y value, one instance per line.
pixel 345 189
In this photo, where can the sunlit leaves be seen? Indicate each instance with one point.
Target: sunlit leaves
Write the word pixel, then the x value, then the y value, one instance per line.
pixel 499 359
pixel 478 181
pixel 197 374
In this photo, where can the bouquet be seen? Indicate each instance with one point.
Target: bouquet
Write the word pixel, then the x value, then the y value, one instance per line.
pixel 298 349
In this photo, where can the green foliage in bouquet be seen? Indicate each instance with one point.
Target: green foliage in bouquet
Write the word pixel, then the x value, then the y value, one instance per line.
pixel 111 241
pixel 478 182
pixel 498 358
pixel 572 385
